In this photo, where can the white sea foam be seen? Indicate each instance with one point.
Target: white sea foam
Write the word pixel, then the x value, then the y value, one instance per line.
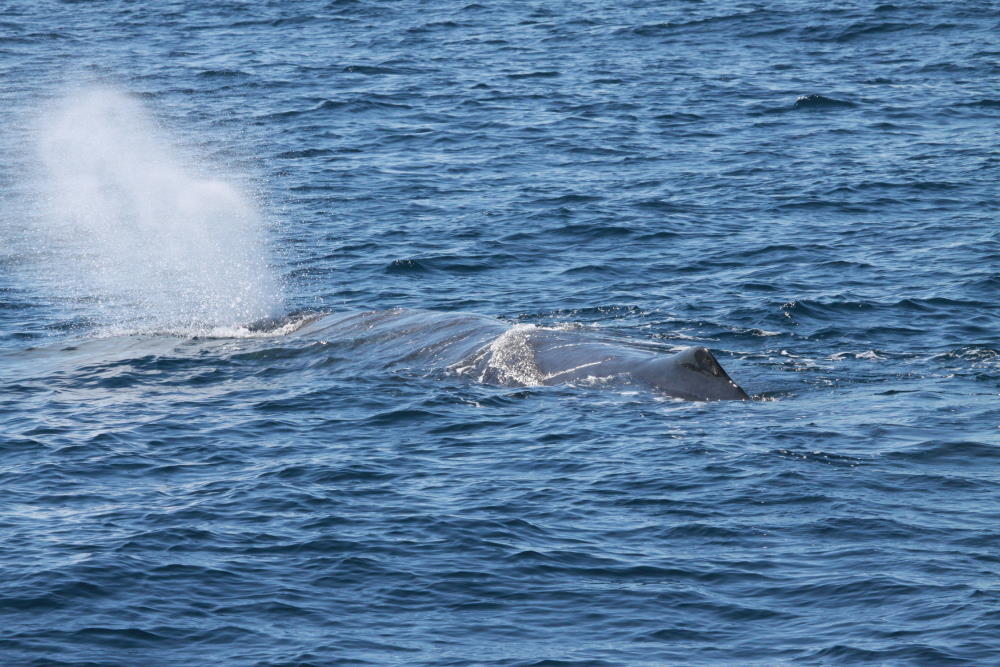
pixel 512 359
pixel 144 236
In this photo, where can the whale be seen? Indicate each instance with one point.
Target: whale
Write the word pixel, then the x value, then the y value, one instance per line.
pixel 493 351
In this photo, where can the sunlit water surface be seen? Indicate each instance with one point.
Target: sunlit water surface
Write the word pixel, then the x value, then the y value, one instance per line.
pixel 185 481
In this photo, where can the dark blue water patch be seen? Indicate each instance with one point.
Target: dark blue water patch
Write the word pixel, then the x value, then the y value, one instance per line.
pixel 985 103
pixel 223 74
pixel 816 101
pixel 373 70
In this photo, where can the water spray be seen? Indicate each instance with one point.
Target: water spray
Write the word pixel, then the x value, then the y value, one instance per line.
pixel 139 233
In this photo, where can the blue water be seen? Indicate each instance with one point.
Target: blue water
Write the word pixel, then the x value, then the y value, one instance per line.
pixel 175 492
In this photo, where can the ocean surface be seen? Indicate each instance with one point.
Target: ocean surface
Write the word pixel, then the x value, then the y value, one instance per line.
pixel 191 473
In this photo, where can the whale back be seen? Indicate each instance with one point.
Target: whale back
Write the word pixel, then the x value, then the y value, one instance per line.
pixel 692 374
pixel 496 352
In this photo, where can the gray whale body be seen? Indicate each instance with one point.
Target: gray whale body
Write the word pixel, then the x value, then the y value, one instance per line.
pixel 496 352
